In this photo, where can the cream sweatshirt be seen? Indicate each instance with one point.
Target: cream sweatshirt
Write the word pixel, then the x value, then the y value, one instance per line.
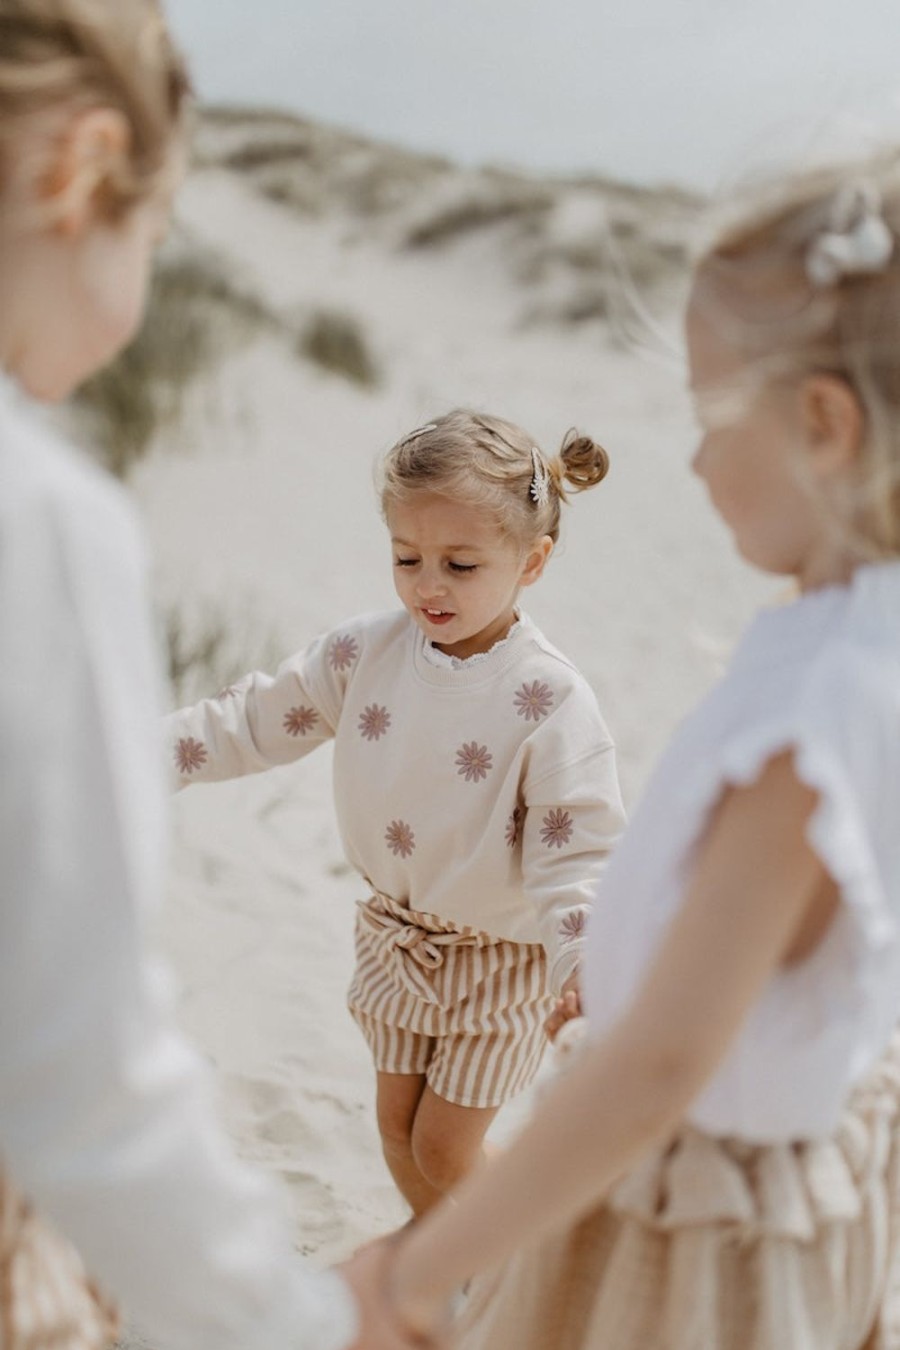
pixel 483 792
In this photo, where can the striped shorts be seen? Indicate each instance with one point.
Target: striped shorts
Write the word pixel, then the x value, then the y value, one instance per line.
pixel 464 1009
pixel 47 1301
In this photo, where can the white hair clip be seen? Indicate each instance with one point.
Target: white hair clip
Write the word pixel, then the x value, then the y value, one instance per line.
pixel 858 241
pixel 540 479
pixel 419 431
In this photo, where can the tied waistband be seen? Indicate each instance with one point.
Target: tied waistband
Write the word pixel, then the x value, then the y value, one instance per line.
pixel 413 945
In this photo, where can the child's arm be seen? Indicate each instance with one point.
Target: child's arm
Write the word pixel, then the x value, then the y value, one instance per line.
pixel 262 720
pixel 757 887
pixel 573 817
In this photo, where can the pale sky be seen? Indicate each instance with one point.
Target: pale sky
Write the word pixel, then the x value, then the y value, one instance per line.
pixel 647 90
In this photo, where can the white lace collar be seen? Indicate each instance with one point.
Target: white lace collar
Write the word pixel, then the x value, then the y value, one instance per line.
pixel 443 661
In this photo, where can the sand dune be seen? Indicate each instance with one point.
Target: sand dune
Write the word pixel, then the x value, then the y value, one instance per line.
pixel 261 513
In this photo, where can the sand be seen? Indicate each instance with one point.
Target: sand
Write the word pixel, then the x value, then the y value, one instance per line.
pixel 262 508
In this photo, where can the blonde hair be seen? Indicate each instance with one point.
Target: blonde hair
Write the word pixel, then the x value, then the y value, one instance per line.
pixel 491 463
pixel 761 283
pixel 82 54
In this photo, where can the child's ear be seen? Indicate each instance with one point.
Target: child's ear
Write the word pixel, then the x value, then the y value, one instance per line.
pixel 834 421
pixel 93 146
pixel 536 560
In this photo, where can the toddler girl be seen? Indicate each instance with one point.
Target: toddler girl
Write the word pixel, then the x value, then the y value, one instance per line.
pixel 720 1167
pixel 475 785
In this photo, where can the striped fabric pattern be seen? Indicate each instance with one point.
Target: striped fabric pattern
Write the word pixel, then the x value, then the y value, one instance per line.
pixel 47 1301
pixel 456 1005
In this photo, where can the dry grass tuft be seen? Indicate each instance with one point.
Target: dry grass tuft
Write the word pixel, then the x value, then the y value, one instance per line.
pixel 196 315
pixel 336 342
pixel 210 646
pixel 490 199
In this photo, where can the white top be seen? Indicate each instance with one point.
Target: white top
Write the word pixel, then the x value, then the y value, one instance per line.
pixel 105 1115
pixel 483 792
pixel 820 676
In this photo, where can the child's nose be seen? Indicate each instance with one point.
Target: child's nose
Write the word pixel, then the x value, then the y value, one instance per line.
pixel 430 582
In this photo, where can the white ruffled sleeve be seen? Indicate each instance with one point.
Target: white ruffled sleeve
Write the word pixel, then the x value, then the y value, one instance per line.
pixel 835 732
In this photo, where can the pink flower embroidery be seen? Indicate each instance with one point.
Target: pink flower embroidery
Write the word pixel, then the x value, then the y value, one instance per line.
pixel 190 754
pixel 512 827
pixel 400 839
pixel 557 828
pixel 298 721
pixel 230 691
pixel 473 761
pixel 374 722
pixel 343 652
pixel 534 701
pixel 572 925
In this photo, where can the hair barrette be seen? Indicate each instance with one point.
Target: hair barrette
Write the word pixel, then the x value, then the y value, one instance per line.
pixel 419 431
pixel 539 491
pixel 857 242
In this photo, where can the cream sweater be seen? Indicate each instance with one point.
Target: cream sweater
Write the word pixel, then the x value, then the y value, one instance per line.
pixel 483 792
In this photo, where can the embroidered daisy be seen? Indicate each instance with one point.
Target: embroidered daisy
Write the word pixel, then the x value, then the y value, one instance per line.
pixel 534 701
pixel 473 761
pixel 557 828
pixel 512 827
pixel 190 754
pixel 572 925
pixel 400 839
pixel 298 721
pixel 343 652
pixel 374 722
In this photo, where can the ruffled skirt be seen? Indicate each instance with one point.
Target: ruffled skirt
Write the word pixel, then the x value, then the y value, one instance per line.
pixel 713 1244
pixel 47 1301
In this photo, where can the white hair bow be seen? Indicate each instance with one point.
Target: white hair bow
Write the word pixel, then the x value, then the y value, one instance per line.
pixel 858 241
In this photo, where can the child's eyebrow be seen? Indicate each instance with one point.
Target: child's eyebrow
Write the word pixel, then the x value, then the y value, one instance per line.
pixel 451 548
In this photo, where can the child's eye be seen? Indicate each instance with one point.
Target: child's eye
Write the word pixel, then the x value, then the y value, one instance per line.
pixel 405 562
pixel 463 567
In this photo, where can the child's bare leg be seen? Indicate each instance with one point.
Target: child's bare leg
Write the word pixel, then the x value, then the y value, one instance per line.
pixel 397 1101
pixel 448 1140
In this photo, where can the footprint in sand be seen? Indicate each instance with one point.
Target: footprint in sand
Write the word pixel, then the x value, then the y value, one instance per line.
pixel 286 1129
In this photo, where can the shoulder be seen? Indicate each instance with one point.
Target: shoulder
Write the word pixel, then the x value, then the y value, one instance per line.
pixel 376 627
pixel 546 677
pixel 847 692
pixel 558 717
pixel 850 699
pixel 367 634
pixel 59 505
pixel 825 670
pixel 341 655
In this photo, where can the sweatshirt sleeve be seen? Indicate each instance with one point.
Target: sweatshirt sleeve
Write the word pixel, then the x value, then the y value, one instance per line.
pixel 106 1115
pixel 264 720
pixel 572 817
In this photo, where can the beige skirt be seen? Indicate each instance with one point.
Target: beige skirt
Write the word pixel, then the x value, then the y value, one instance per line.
pixel 47 1301
pixel 712 1244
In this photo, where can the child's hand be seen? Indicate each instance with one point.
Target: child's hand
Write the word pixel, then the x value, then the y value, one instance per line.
pixel 382 1324
pixel 568 1006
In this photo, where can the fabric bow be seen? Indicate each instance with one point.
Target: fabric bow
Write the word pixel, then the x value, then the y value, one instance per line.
pixel 858 241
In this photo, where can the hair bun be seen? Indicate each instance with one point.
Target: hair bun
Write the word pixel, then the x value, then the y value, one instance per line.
pixel 584 462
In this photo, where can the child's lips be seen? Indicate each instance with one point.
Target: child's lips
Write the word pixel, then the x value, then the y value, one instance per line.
pixel 438 616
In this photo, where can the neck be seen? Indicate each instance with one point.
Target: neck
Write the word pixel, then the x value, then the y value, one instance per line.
pixel 830 566
pixel 480 642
